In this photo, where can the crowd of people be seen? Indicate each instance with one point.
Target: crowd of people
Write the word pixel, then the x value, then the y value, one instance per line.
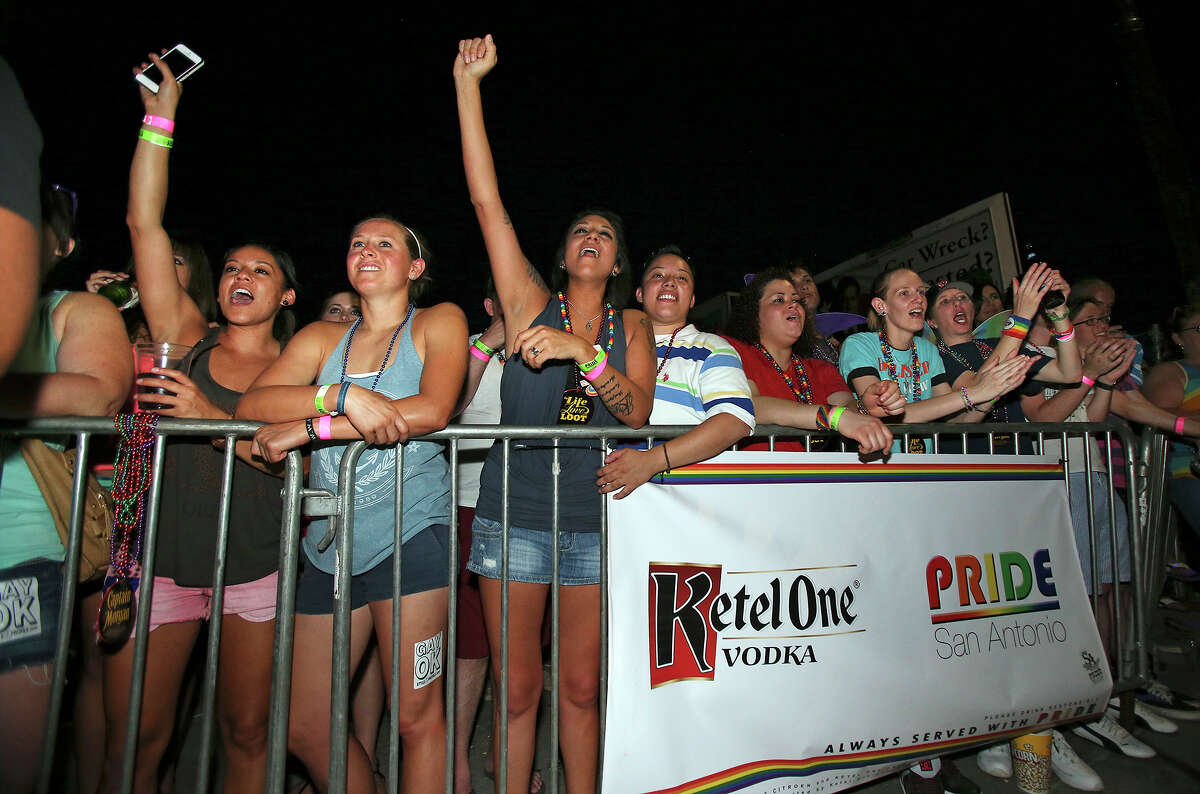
pixel 374 365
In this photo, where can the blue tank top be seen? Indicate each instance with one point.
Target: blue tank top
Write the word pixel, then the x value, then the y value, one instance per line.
pixel 534 397
pixel 426 472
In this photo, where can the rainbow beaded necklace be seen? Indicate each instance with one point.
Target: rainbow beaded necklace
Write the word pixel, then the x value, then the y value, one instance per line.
pixel 802 391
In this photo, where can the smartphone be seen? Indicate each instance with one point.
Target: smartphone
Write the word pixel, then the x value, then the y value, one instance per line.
pixel 179 59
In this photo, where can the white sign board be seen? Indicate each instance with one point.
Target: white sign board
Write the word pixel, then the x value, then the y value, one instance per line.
pixel 791 619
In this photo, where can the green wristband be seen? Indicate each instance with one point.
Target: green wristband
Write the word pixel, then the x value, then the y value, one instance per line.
pixel 157 138
pixel 835 415
pixel 479 345
pixel 595 362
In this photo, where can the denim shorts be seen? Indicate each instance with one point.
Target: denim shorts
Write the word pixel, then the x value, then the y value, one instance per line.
pixel 30 596
pixel 423 566
pixel 529 552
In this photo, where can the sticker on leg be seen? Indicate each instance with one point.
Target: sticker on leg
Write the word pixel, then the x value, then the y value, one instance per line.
pixel 427 661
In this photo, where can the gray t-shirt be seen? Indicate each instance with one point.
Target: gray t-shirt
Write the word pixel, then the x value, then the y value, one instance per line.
pixel 20 148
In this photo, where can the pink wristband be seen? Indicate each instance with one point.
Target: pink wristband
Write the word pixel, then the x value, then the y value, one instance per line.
pixel 479 354
pixel 325 427
pixel 160 122
pixel 595 373
pixel 1087 381
pixel 1179 420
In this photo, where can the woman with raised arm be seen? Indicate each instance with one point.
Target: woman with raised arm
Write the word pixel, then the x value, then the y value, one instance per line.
pixel 395 372
pixel 256 283
pixel 767 325
pixel 894 350
pixel 952 316
pixel 576 359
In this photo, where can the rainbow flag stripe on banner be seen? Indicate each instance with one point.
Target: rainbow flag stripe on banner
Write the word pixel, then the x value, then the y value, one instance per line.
pixel 748 473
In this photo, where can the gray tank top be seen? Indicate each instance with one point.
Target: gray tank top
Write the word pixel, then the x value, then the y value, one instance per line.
pixel 426 472
pixel 534 397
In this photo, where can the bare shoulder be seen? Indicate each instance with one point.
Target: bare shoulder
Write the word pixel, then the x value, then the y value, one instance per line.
pixel 634 319
pixel 84 307
pixel 440 317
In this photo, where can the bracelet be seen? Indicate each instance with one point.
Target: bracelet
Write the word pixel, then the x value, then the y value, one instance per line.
pixel 835 416
pixel 1102 385
pixel 1067 335
pixel 595 373
pixel 325 427
pixel 341 400
pixel 158 139
pixel 160 122
pixel 1179 420
pixel 480 346
pixel 319 400
pixel 595 362
pixel 479 354
pixel 1016 326
pixel 312 434
pixel 966 399
pixel 1054 318
pixel 1086 381
pixel 823 418
pixel 667 457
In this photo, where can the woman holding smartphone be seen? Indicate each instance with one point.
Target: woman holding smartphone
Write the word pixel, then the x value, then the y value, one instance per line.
pixel 257 283
pixel 575 358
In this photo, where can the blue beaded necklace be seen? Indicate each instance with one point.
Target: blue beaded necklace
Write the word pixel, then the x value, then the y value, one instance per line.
pixel 386 356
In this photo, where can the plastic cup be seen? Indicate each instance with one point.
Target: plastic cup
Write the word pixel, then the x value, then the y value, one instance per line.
pixel 1031 762
pixel 148 355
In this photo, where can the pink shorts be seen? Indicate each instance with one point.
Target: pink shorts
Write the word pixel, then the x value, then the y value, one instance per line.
pixel 252 601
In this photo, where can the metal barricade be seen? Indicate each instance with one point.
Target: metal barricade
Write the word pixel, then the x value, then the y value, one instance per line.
pixel 1130 669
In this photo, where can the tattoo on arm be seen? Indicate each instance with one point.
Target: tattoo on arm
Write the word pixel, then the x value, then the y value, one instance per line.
pixel 535 276
pixel 649 327
pixel 619 402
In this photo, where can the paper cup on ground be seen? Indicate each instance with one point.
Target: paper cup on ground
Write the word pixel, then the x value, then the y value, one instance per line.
pixel 148 355
pixel 1031 762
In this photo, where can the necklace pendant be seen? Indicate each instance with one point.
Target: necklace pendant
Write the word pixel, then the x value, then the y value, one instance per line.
pixel 589 325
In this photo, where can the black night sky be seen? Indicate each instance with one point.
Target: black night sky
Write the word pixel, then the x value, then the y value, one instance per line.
pixel 748 134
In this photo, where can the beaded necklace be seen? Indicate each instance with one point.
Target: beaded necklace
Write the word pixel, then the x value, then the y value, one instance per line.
pixel 609 320
pixel 670 347
pixel 386 356
pixel 983 349
pixel 885 348
pixel 131 481
pixel 802 391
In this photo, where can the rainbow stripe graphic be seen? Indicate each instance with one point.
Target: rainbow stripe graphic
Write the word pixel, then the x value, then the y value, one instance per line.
pixel 745 775
pixel 749 473
pixel 993 612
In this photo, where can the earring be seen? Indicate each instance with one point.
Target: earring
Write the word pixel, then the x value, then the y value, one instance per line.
pixel 285 303
pixel 562 265
pixel 614 273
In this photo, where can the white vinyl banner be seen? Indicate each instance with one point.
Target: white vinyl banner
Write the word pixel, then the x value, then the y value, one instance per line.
pixel 787 622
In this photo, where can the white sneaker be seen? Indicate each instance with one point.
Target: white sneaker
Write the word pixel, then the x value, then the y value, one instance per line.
pixel 1070 768
pixel 996 760
pixel 1145 716
pixel 1107 732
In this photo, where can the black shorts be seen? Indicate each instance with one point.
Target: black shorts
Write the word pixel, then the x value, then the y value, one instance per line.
pixel 424 562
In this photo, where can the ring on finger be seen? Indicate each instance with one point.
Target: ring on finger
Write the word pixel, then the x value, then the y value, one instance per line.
pixel 535 351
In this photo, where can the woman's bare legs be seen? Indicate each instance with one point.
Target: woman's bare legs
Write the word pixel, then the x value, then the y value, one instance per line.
pixel 89 698
pixel 244 699
pixel 526 605
pixel 166 660
pixel 367 699
pixel 579 684
pixel 422 722
pixel 25 693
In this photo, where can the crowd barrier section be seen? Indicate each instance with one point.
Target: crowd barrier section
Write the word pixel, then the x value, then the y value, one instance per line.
pixel 1143 466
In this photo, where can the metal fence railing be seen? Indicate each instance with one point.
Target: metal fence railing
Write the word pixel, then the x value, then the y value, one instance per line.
pixel 1141 466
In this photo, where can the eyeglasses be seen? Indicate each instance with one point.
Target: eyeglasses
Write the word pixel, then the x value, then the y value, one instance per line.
pixel 1104 318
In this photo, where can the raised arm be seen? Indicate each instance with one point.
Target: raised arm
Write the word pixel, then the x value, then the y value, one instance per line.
pixel 94 370
pixel 171 314
pixel 522 291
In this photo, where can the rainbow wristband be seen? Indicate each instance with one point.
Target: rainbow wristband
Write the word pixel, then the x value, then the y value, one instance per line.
pixel 158 121
pixel 319 400
pixel 1179 420
pixel 823 422
pixel 325 427
pixel 158 139
pixel 1016 326
pixel 835 416
pixel 1086 381
pixel 598 369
